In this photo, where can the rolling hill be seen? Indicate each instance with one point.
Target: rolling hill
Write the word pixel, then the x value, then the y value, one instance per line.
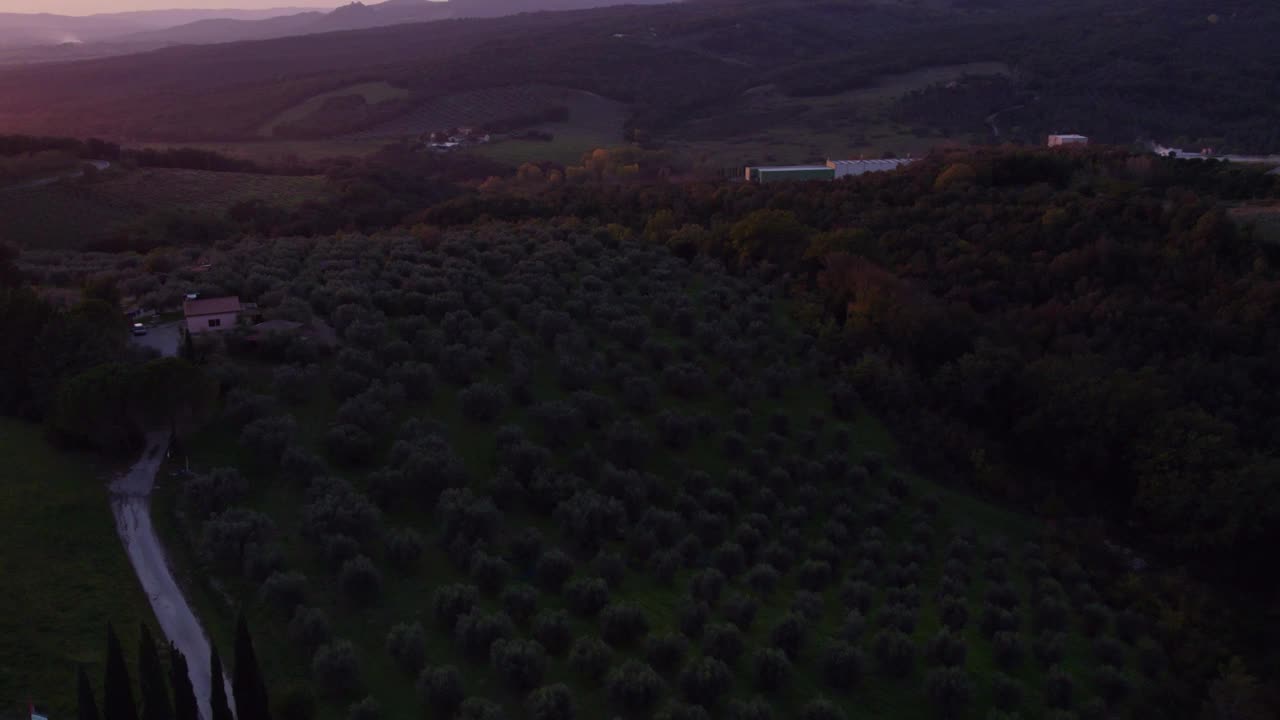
pixel 1160 69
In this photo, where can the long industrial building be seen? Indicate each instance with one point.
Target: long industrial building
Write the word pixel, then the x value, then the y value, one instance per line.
pixel 833 170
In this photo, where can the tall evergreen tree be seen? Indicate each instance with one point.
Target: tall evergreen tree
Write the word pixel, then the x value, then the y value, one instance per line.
pixel 246 680
pixel 88 706
pixel 151 679
pixel 184 696
pixel 218 692
pixel 117 688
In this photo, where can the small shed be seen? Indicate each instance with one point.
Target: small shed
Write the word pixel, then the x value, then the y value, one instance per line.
pixel 211 314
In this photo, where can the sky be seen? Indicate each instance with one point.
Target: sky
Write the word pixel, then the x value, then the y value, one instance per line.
pixel 90 7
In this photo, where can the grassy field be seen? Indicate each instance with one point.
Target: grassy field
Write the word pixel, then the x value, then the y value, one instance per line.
pixel 372 92
pixel 74 214
pixel 895 532
pixel 767 126
pixel 65 573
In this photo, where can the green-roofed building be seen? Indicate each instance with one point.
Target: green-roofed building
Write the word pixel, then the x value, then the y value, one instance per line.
pixel 789 173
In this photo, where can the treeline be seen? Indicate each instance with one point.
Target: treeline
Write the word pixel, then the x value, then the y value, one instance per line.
pixel 169 695
pixel 91 149
pixel 186 158
pixel 74 369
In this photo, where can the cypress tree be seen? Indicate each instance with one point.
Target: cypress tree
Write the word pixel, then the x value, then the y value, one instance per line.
pixel 88 706
pixel 117 688
pixel 246 681
pixel 218 693
pixel 184 696
pixel 155 697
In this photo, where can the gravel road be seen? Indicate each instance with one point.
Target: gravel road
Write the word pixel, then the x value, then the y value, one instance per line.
pixel 131 505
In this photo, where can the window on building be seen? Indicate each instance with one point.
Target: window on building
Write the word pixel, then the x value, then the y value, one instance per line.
pixel 215 322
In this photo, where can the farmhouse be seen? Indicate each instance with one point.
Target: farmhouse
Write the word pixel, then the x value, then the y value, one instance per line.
pixel 789 173
pixel 1063 140
pixel 211 314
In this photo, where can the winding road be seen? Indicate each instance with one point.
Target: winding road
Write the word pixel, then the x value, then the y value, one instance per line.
pixel 131 505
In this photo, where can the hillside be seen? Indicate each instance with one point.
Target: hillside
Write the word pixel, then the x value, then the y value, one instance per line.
pixel 1158 70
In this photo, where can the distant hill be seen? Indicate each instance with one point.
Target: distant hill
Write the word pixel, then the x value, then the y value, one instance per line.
pixel 45 29
pixel 32 38
pixel 1162 69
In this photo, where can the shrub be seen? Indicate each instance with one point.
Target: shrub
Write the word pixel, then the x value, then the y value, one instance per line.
pixel 587 596
pixel 550 702
pixel 349 444
pixel 1051 614
pixel 706 585
pixel 950 689
pixel 551 629
pixel 1109 650
pixel 1112 683
pixel 753 709
pixel 476 708
pixel 553 568
pixel 269 436
pixel 477 631
pixel 1007 649
pixel 520 663
pixel 770 669
pixel 336 668
pixel 403 548
pixel 591 657
pixel 452 601
pixel 857 595
pixel 995 620
pixel 633 686
pixel 1006 692
pixel 213 492
pixel 705 681
pixel 360 580
pixel 285 590
pixel 897 617
pixel 741 610
pixel 1049 648
pixel 366 709
pixel 623 623
pixel 788 634
pixel 807 605
pixel 488 571
pixel 407 645
pixel 821 709
pixel 482 402
pixel 665 651
pixel 946 649
pixel 843 665
pixel 954 613
pixel 309 628
pixel 894 652
pixel 519 601
pixel 1059 689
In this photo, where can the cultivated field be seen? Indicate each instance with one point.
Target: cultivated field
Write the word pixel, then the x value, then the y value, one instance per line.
pixel 66 574
pixel 372 92
pixel 74 214
pixel 551 468
pixel 766 125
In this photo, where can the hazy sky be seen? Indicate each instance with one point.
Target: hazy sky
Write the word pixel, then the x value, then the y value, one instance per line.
pixel 89 7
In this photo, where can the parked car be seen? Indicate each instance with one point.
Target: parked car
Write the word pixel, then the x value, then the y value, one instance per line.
pixel 139 329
